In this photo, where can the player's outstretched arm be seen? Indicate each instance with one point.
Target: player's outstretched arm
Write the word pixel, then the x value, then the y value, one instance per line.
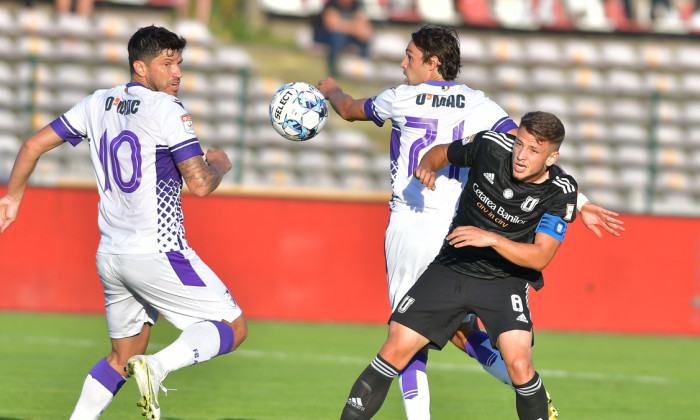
pixel 202 177
pixel 346 106
pixel 39 143
pixel 598 219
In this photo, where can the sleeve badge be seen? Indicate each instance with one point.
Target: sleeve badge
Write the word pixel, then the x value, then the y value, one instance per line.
pixel 187 123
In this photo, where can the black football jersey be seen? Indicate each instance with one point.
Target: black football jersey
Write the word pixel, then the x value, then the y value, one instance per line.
pixel 495 201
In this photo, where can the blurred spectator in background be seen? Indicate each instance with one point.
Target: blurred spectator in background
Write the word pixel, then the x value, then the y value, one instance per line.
pixel 196 28
pixel 82 7
pixel 695 17
pixel 659 9
pixel 342 23
pixel 666 16
pixel 202 11
pixel 73 17
pixel 628 9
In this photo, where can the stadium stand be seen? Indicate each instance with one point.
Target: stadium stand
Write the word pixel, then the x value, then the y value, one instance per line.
pixel 626 88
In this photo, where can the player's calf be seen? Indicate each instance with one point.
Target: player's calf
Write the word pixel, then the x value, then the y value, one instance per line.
pixel 531 400
pixel 369 391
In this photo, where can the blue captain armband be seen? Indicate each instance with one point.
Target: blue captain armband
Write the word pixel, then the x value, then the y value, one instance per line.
pixel 553 226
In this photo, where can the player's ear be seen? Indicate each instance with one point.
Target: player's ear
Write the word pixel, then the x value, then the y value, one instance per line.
pixel 552 158
pixel 434 62
pixel 140 67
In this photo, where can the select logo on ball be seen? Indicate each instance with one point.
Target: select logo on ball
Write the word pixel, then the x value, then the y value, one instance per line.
pixel 298 111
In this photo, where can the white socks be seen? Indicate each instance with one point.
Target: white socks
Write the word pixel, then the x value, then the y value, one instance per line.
pixel 197 343
pixel 100 386
pixel 479 347
pixel 413 382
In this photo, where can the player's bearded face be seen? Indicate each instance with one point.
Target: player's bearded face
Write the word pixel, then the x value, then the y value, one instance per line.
pixel 532 158
pixel 164 72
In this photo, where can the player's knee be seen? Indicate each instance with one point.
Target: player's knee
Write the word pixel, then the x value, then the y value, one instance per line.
pixel 396 356
pixel 520 370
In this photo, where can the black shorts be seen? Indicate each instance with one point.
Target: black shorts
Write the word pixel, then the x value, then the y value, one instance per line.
pixel 441 298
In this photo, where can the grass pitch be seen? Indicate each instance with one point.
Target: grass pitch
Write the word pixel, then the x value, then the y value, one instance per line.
pixel 305 371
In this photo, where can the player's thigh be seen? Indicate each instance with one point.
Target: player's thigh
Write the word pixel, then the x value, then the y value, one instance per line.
pixel 516 345
pixel 434 306
pixel 411 243
pixel 181 287
pixel 501 304
pixel 125 311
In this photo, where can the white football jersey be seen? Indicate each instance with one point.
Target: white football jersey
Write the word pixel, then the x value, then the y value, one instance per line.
pixel 137 136
pixel 424 116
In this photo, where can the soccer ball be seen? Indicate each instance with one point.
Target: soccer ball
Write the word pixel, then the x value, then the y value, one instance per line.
pixel 298 111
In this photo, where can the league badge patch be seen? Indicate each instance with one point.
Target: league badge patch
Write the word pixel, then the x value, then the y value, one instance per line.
pixel 187 123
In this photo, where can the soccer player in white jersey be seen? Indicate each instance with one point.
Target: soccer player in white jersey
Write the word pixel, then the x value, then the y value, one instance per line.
pixel 428 110
pixel 142 145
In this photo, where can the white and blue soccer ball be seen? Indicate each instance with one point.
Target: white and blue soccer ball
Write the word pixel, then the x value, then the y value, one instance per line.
pixel 298 111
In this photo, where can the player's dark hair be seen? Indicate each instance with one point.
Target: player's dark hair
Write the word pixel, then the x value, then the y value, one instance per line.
pixel 150 41
pixel 544 126
pixel 443 43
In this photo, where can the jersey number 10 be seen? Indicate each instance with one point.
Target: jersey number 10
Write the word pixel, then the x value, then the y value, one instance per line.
pixel 109 158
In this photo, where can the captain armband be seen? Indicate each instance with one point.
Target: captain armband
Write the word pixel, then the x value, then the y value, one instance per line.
pixel 553 226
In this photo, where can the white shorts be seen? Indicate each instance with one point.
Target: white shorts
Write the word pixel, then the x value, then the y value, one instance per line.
pixel 177 285
pixel 411 243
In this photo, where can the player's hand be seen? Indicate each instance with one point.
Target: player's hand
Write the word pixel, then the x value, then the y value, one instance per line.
pixel 8 212
pixel 219 159
pixel 425 176
pixel 596 218
pixel 463 236
pixel 326 86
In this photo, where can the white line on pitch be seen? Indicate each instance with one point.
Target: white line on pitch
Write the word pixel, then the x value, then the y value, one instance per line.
pixel 468 366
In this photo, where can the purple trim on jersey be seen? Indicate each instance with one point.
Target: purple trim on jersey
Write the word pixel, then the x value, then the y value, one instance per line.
pixel 409 376
pixel 371 112
pixel 394 150
pixel 458 131
pixel 184 270
pixel 105 374
pixel 440 83
pixel 66 131
pixel 186 150
pixel 168 188
pixel 130 84
pixel 225 337
pixel 504 125
pixel 457 134
pixel 166 170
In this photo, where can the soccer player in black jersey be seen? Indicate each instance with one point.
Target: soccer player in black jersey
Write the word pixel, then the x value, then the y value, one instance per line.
pixel 511 219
